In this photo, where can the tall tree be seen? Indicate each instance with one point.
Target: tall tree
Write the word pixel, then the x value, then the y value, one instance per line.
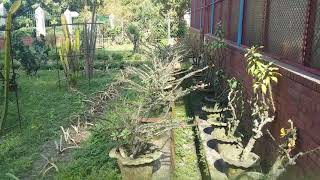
pixel 175 9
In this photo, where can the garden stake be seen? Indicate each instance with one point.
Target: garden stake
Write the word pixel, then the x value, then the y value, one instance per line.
pixel 57 54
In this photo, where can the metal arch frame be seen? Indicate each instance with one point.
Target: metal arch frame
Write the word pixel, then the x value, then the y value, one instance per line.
pixel 13 80
pixel 54 26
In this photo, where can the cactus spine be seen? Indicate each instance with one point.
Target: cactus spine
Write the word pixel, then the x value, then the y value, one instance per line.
pixel 7 59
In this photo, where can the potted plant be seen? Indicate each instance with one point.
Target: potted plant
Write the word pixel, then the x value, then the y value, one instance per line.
pixel 135 151
pixel 285 158
pixel 263 110
pixel 213 54
pixel 158 85
pixel 236 109
pixel 160 82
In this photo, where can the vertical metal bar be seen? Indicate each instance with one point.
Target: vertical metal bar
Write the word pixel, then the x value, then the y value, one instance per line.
pixel 14 82
pixel 201 12
pixel 193 15
pixel 57 54
pixel 265 24
pixel 18 107
pixel 310 20
pixel 212 17
pixel 228 23
pixel 240 23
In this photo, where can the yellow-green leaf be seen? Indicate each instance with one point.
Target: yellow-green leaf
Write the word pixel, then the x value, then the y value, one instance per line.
pixel 15 6
pixel 268 81
pixel 264 89
pixel 275 79
pixel 283 132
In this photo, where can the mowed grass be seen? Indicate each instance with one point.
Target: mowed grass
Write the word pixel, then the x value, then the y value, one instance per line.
pixel 44 108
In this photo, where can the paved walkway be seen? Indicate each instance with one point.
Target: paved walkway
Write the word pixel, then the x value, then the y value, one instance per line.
pixel 163 169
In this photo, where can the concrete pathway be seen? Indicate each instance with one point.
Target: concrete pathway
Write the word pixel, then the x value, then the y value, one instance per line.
pixel 163 168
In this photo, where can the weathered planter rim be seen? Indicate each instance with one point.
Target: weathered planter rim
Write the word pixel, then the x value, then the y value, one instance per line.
pixel 127 161
pixel 227 156
pixel 226 139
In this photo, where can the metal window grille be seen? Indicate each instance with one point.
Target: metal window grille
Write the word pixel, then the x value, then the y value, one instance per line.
pixel 253 22
pixel 234 19
pixel 193 13
pixel 207 19
pixel 315 59
pixel 225 16
pixel 282 26
pixel 286 28
pixel 217 13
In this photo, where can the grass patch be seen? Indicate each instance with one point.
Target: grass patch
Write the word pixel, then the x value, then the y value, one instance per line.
pixel 186 162
pixel 44 108
pixel 92 161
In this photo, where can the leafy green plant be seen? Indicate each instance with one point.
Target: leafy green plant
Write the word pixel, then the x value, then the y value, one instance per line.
pixel 70 53
pixel 263 73
pixel 192 44
pixel 132 137
pixel 214 50
pixel 31 57
pixel 182 29
pixel 160 82
pixel 285 158
pixel 133 33
pixel 7 59
pixel 236 105
pixel 262 112
pixel 117 56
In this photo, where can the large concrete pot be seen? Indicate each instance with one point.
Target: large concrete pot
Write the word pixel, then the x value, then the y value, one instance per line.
pixel 135 169
pixel 231 154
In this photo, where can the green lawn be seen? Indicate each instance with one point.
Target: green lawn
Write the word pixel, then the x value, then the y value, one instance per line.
pixel 45 108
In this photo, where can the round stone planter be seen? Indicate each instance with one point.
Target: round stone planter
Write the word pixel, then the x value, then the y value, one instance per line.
pixel 218 121
pixel 208 99
pixel 135 169
pixel 214 110
pixel 222 137
pixel 251 176
pixel 231 155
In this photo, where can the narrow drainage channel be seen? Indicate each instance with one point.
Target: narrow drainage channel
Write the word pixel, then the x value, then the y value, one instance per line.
pixel 202 162
pixel 191 102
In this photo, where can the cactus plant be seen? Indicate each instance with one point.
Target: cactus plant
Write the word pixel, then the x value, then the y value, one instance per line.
pixel 7 59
